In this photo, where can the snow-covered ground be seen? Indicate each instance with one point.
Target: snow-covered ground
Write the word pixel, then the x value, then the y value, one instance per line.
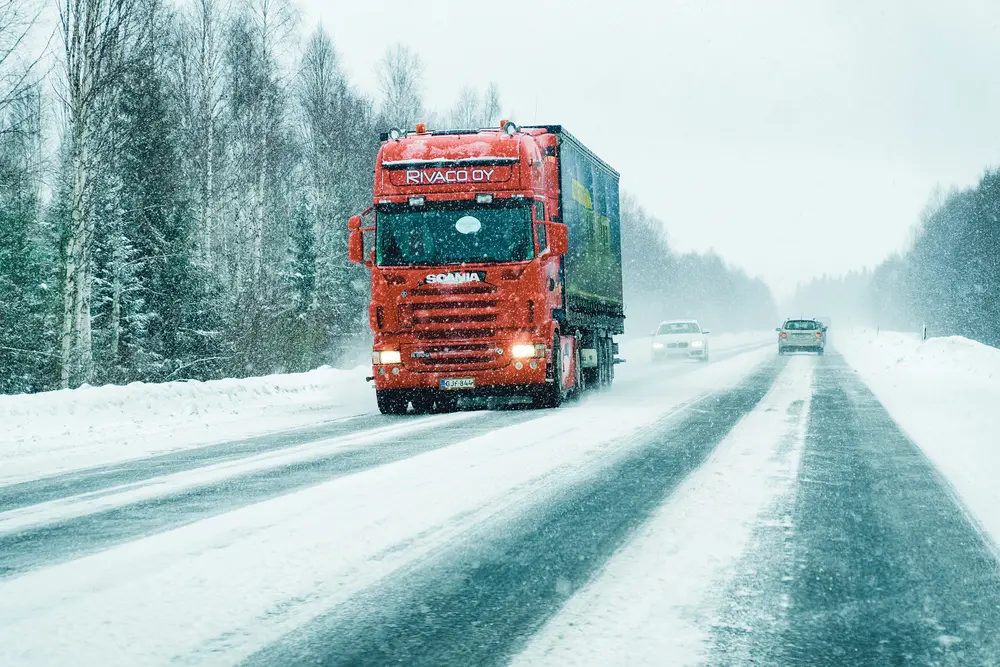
pixel 213 591
pixel 945 394
pixel 60 431
pixel 655 601
pixel 215 587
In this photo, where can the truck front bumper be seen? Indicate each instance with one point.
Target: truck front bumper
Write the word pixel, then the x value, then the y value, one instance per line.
pixel 508 380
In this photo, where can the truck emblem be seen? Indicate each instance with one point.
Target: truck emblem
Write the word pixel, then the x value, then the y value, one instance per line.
pixel 420 354
pixel 456 278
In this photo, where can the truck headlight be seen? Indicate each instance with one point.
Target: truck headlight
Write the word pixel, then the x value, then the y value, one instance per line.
pixel 386 357
pixel 522 351
pixel 698 343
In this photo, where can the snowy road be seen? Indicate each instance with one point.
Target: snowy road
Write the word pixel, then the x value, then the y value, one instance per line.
pixel 756 510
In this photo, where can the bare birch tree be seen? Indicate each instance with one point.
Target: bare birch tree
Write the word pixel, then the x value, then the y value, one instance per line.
pixel 473 110
pixel 205 21
pixel 94 35
pixel 400 80
pixel 18 21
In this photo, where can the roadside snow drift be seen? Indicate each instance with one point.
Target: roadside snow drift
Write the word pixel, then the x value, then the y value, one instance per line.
pixel 945 393
pixel 56 431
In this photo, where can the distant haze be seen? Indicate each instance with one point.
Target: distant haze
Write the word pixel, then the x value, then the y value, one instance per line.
pixel 795 138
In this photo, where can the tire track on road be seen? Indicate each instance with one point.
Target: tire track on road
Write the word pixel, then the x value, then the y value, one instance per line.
pixel 88 480
pixel 882 565
pixel 479 604
pixel 38 546
pixel 30 543
pixel 32 492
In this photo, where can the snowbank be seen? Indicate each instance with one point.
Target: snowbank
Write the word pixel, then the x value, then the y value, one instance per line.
pixel 61 430
pixel 945 393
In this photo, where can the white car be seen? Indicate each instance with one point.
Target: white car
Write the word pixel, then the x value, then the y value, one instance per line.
pixel 680 338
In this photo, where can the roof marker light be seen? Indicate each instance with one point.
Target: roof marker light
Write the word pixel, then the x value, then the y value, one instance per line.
pixel 483 198
pixel 421 128
pixel 416 201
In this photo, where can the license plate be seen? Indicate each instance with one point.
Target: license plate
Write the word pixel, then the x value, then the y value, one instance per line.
pixel 458 383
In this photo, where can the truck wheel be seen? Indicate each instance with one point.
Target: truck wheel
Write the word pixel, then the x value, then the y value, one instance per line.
pixel 391 402
pixel 551 394
pixel 607 362
pixel 781 351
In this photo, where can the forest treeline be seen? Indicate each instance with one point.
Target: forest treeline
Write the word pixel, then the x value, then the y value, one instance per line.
pixel 948 279
pixel 174 189
pixel 661 283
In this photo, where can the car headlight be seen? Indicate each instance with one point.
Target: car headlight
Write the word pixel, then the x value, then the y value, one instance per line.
pixel 657 346
pixel 525 351
pixel 698 343
pixel 387 357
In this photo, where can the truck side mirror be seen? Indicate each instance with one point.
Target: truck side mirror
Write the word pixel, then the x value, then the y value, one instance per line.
pixel 355 240
pixel 558 239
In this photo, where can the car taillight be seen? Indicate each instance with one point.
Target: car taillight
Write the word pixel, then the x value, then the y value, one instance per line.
pixel 819 334
pixel 784 335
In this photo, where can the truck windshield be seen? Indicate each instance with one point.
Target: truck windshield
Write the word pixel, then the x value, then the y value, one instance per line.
pixel 434 237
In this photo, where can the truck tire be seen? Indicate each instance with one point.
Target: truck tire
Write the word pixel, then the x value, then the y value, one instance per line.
pixel 550 395
pixel 391 402
pixel 781 351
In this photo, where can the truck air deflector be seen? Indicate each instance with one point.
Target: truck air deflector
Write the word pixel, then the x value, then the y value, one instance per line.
pixel 459 162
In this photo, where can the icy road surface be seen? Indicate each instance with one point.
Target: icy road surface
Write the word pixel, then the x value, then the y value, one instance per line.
pixel 756 510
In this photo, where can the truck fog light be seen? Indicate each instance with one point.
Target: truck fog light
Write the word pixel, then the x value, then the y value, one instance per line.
pixel 387 357
pixel 519 365
pixel 381 371
pixel 395 370
pixel 522 351
pixel 534 365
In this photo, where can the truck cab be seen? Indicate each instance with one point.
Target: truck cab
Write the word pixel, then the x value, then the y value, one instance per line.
pixel 465 246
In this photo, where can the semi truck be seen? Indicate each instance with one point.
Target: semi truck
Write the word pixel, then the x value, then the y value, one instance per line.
pixel 496 270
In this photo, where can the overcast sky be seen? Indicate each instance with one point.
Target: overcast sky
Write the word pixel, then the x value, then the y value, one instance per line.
pixel 794 137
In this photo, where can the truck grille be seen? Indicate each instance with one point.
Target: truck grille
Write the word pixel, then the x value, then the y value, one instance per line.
pixel 453 319
pixel 463 356
pixel 460 334
pixel 441 313
pixel 424 290
pixel 449 315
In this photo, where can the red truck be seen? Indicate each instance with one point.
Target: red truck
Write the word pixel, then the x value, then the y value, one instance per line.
pixel 496 266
